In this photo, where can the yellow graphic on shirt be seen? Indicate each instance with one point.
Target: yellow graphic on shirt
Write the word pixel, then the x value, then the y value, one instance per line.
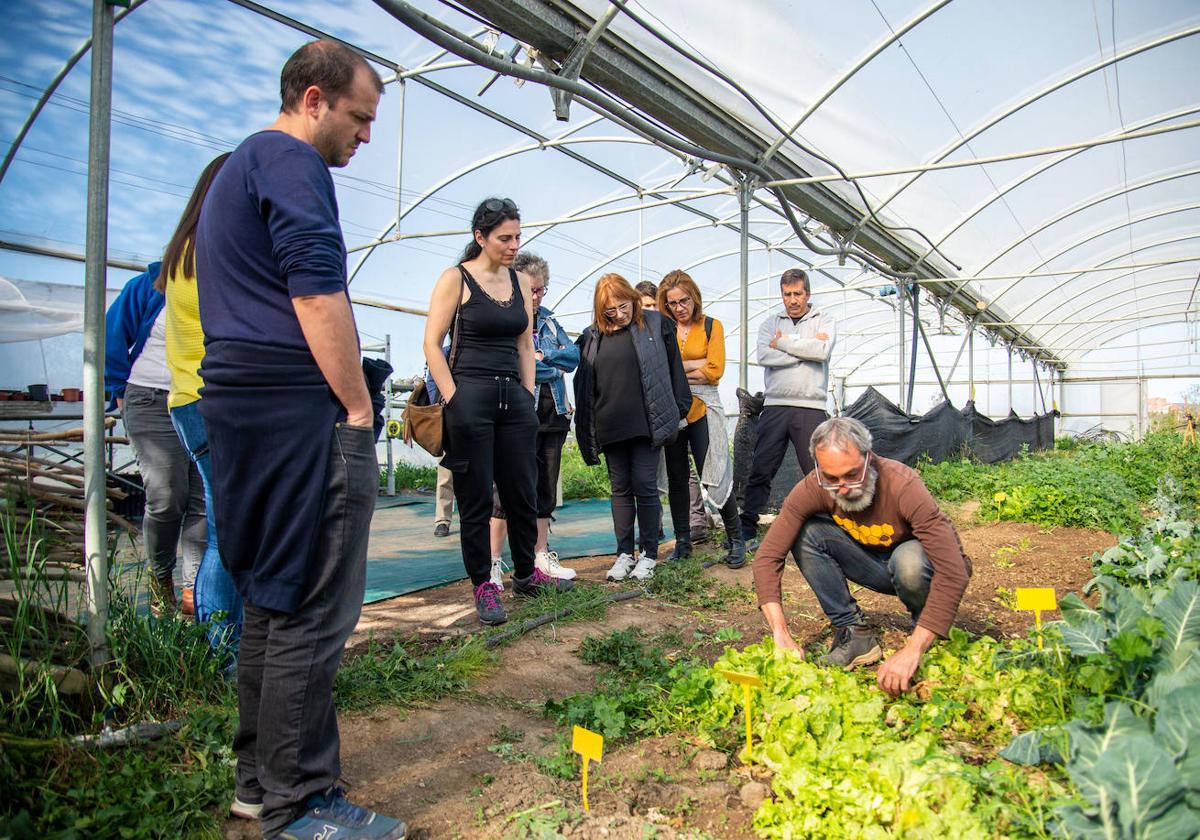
pixel 867 534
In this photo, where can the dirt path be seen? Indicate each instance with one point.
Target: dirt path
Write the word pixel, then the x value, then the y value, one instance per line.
pixel 433 767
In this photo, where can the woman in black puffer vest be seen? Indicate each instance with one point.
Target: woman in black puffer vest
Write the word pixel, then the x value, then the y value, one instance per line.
pixel 631 395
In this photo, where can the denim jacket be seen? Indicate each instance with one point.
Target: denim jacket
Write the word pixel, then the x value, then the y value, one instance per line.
pixel 559 355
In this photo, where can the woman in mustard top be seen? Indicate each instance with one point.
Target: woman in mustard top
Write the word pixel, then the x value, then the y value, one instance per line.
pixel 702 346
pixel 217 601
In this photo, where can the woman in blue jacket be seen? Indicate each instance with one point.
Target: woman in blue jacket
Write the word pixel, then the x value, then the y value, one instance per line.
pixel 138 381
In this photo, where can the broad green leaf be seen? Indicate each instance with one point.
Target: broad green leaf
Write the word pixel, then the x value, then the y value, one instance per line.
pixel 1140 777
pixel 1123 607
pixel 1088 743
pixel 1078 822
pixel 1177 723
pixel 1087 636
pixel 1176 822
pixel 1180 615
pixel 1179 670
pixel 1074 609
pixel 1024 749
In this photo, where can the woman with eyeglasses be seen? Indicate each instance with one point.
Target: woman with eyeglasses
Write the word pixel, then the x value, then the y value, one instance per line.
pixel 555 354
pixel 631 396
pixel 486 382
pixel 702 348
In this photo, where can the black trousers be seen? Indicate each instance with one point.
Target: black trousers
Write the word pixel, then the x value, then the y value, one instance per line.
pixel 490 428
pixel 633 474
pixel 776 426
pixel 694 437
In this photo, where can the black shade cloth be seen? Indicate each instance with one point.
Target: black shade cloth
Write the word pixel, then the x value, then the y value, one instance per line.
pixel 942 433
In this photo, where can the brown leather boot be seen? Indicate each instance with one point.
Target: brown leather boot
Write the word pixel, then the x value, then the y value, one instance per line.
pixel 188 607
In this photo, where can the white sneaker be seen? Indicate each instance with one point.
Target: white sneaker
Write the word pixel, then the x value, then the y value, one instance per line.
pixel 621 569
pixel 547 561
pixel 644 570
pixel 498 573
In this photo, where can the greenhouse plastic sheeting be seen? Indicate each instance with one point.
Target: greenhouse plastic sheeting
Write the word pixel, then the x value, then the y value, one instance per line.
pixel 942 433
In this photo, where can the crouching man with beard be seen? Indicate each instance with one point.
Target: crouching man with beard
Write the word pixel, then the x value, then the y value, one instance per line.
pixel 862 518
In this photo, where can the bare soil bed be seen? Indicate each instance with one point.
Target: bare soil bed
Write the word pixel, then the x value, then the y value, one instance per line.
pixel 433 767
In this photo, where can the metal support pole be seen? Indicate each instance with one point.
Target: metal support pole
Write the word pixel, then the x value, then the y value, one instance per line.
pixel 1010 394
pixel 400 161
pixel 95 539
pixel 971 362
pixel 744 289
pixel 900 341
pixel 387 418
pixel 933 361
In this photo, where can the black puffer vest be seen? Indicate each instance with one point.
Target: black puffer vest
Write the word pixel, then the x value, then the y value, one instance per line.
pixel 664 384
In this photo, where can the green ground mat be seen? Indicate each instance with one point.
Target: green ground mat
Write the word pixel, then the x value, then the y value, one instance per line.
pixel 405 556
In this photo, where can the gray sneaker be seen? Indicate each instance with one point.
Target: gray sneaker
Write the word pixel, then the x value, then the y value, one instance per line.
pixel 854 646
pixel 539 582
pixel 487 604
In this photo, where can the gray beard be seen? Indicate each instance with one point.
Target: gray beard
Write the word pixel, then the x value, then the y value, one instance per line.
pixel 864 498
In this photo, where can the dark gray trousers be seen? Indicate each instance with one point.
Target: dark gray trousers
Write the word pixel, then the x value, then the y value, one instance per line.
pixel 287 738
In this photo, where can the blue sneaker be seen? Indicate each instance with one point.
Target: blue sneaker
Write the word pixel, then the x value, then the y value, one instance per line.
pixel 331 817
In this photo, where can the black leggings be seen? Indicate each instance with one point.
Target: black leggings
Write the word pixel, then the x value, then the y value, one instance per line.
pixel 633 474
pixel 490 428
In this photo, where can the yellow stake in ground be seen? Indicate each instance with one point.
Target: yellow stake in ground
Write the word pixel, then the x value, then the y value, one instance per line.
pixel 590 745
pixel 747 681
pixel 1036 599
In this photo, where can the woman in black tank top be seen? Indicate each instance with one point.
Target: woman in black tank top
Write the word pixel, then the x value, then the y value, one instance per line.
pixel 490 415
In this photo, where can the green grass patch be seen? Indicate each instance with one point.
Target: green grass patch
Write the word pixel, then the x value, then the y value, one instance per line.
pixel 401 674
pixel 410 476
pixel 684 584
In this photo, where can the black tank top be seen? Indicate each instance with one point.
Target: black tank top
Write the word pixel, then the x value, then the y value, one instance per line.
pixel 488 331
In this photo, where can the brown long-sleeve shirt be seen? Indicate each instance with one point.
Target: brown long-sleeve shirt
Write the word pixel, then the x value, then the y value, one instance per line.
pixel 903 509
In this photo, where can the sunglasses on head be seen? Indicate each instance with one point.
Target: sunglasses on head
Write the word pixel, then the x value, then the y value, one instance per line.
pixel 495 205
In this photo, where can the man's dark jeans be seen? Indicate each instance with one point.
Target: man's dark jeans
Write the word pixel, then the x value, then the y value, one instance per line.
pixel 777 425
pixel 828 557
pixel 287 739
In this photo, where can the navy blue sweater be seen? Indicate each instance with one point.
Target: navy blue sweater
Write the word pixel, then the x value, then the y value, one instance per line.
pixel 268 232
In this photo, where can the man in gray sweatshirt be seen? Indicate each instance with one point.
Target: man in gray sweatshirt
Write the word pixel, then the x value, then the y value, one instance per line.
pixel 794 345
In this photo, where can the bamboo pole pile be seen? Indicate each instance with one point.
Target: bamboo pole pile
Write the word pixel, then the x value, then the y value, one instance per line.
pixel 51 494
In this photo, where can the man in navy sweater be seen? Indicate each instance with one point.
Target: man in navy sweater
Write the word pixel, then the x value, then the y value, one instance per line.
pixel 290 432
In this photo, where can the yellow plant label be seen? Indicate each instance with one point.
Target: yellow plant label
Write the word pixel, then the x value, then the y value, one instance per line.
pixel 1036 598
pixel 588 744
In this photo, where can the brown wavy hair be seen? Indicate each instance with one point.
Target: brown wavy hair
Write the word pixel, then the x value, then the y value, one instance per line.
pixel 682 280
pixel 617 288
